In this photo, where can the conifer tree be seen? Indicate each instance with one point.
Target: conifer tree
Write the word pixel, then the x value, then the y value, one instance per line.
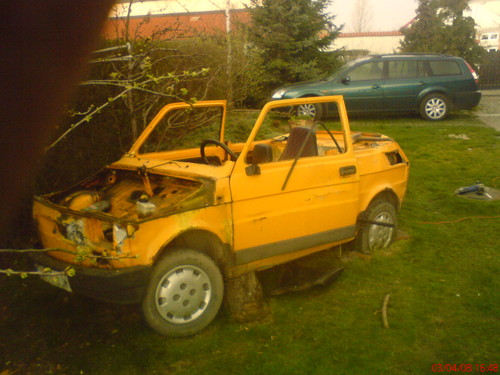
pixel 441 27
pixel 292 37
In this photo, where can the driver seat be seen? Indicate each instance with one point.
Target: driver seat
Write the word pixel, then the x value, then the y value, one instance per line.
pixel 300 135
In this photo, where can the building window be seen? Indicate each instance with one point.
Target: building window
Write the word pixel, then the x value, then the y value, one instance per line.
pixel 489 36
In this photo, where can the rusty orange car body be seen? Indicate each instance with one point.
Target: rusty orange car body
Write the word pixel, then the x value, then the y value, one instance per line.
pixel 232 207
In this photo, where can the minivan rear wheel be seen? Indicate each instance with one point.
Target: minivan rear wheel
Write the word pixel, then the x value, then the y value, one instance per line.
pixel 434 107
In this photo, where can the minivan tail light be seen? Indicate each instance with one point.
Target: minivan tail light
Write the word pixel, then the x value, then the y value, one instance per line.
pixel 473 72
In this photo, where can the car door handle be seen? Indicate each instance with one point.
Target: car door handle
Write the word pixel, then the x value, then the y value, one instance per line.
pixel 422 83
pixel 375 86
pixel 347 170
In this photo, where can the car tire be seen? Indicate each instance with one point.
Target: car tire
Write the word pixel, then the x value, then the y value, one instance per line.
pixel 435 107
pixel 184 294
pixel 372 236
pixel 312 110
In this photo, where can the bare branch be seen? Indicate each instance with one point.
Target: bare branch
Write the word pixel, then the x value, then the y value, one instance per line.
pixel 87 118
pixel 362 16
pixel 48 272
pixel 76 253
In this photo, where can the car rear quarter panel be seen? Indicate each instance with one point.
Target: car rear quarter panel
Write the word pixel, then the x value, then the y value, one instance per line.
pixel 461 90
pixel 376 174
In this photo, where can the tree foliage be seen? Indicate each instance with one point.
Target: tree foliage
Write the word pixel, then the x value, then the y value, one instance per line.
pixel 441 27
pixel 291 37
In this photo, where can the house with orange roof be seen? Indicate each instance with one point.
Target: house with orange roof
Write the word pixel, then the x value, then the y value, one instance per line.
pixel 173 18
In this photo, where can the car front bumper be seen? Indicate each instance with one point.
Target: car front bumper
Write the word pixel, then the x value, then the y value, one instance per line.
pixel 125 285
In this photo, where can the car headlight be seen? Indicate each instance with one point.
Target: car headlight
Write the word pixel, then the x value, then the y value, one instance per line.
pixel 75 232
pixel 279 94
pixel 119 235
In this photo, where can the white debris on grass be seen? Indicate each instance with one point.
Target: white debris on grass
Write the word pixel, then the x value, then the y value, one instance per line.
pixel 459 136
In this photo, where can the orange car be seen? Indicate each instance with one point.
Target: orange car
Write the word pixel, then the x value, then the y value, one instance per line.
pixel 186 208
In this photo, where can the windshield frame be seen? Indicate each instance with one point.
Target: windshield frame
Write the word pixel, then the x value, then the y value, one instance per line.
pixel 134 150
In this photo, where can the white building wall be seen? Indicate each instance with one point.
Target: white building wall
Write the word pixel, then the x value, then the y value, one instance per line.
pixel 486 13
pixel 375 44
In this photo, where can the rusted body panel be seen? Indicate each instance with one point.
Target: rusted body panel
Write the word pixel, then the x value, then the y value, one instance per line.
pixel 180 205
pixel 248 215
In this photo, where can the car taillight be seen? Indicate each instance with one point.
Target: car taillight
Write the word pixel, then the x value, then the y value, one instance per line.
pixel 473 72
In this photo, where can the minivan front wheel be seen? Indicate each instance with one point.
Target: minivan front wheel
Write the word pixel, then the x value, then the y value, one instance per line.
pixel 434 107
pixel 184 294
pixel 311 110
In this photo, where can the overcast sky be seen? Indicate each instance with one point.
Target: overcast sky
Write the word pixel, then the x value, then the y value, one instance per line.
pixel 387 15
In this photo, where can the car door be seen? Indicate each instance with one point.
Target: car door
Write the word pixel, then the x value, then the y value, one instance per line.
pixel 405 80
pixel 363 87
pixel 285 206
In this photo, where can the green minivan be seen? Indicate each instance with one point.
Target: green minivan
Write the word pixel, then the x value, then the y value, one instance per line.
pixel 429 84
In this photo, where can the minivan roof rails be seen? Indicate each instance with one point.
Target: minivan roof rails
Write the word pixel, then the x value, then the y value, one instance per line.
pixel 421 54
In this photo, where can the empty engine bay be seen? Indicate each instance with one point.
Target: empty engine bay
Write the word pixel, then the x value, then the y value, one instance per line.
pixel 128 195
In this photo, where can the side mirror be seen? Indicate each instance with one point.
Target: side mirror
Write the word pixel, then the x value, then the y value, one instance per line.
pixel 252 170
pixel 261 153
pixel 346 80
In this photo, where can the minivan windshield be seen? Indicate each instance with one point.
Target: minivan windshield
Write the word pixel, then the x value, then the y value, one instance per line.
pixel 344 68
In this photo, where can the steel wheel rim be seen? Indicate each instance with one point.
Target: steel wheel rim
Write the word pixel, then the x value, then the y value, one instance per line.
pixel 380 236
pixel 183 294
pixel 308 110
pixel 435 108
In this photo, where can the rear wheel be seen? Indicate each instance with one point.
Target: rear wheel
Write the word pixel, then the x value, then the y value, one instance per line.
pixel 378 227
pixel 184 294
pixel 434 107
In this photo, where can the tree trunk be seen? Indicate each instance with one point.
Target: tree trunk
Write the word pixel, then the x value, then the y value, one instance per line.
pixel 244 298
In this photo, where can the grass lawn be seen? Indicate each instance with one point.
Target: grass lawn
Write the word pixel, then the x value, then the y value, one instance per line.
pixel 443 282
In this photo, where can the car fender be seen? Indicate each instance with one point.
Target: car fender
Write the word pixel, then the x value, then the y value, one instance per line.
pixel 300 94
pixel 160 234
pixel 382 191
pixel 433 90
pixel 202 240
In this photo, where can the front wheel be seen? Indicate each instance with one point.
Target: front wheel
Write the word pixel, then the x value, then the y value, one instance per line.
pixel 184 294
pixel 378 227
pixel 310 110
pixel 434 107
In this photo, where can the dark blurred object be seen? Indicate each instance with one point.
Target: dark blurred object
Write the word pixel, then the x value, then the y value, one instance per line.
pixel 478 191
pixel 478 188
pixel 45 46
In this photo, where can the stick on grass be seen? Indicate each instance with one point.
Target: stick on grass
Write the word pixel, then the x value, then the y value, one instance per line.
pixel 384 310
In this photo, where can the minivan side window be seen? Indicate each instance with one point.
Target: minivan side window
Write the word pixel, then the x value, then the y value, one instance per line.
pixel 444 68
pixel 406 69
pixel 368 71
